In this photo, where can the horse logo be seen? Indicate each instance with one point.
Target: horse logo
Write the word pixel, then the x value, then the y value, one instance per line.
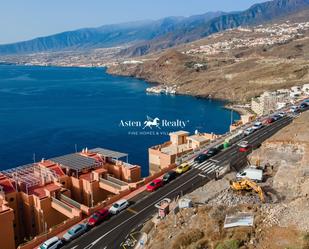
pixel 152 123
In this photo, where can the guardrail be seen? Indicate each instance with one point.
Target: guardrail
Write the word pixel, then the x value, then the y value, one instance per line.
pixel 112 184
pixel 60 203
pixel 70 201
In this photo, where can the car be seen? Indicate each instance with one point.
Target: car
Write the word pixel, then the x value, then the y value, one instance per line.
pixel 119 206
pixel 201 158
pixel 276 117
pixel 244 146
pixel 257 125
pixel 303 105
pixel 154 185
pixel 294 109
pixel 282 114
pixel 270 120
pixel 52 243
pixel 169 176
pixel 75 232
pixel 212 152
pixel 249 131
pixel 182 168
pixel 97 217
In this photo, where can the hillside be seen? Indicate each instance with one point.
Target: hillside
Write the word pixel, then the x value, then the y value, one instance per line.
pixel 281 222
pixel 235 65
pixel 104 36
pixel 144 37
pixel 257 14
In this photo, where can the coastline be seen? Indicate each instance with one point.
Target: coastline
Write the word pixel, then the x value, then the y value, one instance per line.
pixel 228 106
pixel 240 110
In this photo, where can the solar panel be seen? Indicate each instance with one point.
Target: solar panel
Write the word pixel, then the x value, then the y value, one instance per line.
pixel 75 161
pixel 109 153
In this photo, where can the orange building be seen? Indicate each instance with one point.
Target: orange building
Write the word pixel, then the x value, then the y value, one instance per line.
pixel 164 155
pixel 37 197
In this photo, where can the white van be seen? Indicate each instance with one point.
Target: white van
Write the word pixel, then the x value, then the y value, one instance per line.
pixel 251 173
pixel 53 243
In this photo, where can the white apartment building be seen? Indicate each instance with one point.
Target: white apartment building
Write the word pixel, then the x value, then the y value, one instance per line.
pixel 268 102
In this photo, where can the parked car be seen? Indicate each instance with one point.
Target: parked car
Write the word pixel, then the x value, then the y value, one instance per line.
pixel 75 232
pixel 169 176
pixel 294 109
pixel 119 206
pixel 248 131
pixel 52 243
pixel 182 168
pixel 303 105
pixel 212 152
pixel 282 114
pixel 257 125
pixel 244 146
pixel 276 117
pixel 201 158
pixel 270 120
pixel 154 185
pixel 97 217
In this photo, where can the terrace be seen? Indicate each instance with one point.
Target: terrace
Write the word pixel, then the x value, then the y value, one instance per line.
pixel 29 176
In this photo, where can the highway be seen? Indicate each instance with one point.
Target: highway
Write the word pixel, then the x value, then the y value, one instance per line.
pixel 110 234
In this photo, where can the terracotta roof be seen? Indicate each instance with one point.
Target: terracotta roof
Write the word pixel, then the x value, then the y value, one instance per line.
pixel 40 191
pixel 7 185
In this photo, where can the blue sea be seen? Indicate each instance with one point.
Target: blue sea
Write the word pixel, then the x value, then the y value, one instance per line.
pixel 51 111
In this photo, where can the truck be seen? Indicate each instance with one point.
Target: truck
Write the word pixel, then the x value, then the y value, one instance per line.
pixel 251 173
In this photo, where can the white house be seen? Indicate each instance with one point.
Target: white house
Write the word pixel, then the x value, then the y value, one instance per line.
pixel 306 89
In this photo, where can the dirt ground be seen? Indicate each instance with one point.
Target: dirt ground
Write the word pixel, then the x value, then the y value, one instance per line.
pixel 281 223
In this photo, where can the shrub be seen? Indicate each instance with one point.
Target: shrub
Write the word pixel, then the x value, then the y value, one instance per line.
pixel 183 240
pixel 229 244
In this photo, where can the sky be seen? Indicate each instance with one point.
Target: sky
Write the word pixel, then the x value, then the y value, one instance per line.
pixel 27 19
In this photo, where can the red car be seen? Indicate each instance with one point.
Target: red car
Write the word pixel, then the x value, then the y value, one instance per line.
pixel 269 121
pixel 98 217
pixel 244 146
pixel 154 185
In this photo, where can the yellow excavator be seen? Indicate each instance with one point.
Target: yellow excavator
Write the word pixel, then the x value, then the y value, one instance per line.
pixel 246 184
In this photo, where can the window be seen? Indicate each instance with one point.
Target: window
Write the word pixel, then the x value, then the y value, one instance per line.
pixel 51 244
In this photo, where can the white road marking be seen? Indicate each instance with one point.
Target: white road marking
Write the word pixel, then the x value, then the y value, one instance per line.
pixel 207 167
pixel 104 235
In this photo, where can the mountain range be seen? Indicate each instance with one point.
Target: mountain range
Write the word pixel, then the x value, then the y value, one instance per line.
pixel 104 36
pixel 147 36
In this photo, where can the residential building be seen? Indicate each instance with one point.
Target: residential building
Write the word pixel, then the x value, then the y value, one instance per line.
pixel 267 102
pixel 164 155
pixel 37 197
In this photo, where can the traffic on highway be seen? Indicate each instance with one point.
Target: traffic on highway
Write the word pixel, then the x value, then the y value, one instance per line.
pixel 108 228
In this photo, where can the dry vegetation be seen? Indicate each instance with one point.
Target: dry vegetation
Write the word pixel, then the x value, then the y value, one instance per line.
pixel 281 223
pixel 236 75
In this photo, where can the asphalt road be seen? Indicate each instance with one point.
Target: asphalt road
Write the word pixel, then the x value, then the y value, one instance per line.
pixel 110 234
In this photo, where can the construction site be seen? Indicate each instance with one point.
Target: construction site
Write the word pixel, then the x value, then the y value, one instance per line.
pixel 231 212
